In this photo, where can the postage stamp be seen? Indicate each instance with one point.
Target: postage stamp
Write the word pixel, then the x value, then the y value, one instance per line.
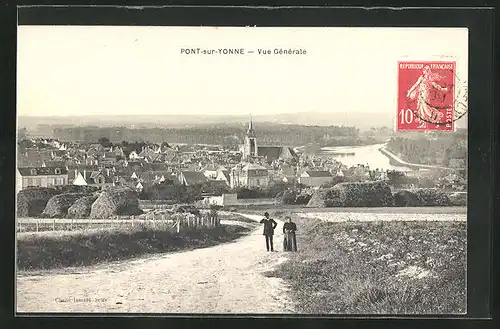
pixel 427 96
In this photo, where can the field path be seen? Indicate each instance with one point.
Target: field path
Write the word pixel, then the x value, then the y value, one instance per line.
pixel 227 278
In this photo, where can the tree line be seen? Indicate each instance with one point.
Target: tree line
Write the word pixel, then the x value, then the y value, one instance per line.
pixel 267 134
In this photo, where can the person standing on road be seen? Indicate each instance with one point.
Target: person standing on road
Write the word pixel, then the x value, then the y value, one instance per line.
pixel 290 241
pixel 269 226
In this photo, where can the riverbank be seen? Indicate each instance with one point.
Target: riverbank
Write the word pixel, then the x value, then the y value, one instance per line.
pixel 396 161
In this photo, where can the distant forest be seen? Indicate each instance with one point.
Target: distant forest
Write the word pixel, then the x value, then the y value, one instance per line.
pixel 436 148
pixel 228 135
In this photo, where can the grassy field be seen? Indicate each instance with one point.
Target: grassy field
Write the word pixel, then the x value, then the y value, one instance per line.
pixel 378 267
pixel 56 249
pixel 281 209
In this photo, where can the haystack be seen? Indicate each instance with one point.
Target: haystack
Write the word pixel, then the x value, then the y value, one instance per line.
pixel 58 205
pixel 81 208
pixel 116 201
pixel 32 201
pixel 432 196
pixel 353 194
pixel 404 198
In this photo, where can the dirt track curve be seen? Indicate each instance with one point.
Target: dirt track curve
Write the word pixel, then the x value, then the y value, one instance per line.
pixel 227 278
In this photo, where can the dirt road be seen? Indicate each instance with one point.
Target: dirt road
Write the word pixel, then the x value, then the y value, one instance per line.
pixel 227 278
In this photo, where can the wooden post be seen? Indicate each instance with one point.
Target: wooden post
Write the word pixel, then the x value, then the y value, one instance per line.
pixel 37 220
pixel 133 220
pixel 53 225
pixel 178 225
pixel 154 222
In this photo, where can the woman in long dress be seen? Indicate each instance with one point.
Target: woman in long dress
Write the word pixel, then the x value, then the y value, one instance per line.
pixel 426 83
pixel 289 241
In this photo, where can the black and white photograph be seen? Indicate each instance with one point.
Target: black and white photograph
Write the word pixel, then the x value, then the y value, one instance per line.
pixel 241 170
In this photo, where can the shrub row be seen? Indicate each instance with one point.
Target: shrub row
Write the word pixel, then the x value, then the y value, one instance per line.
pixel 378 194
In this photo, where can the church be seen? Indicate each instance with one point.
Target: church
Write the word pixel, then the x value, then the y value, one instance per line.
pixel 251 149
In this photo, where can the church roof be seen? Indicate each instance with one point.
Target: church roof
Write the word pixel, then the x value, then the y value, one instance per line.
pixel 270 152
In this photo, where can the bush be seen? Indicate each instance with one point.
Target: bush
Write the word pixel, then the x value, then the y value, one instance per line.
pixel 82 207
pixel 432 197
pixel 293 196
pixel 318 199
pixel 458 199
pixel 116 201
pixel 303 197
pixel 355 194
pixel 58 205
pixel 404 198
pixel 32 201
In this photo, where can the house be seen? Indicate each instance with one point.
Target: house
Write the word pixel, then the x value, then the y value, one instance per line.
pixel 133 156
pixel 156 177
pixel 97 148
pixel 117 151
pixel 289 179
pixel 52 163
pixel 224 175
pixel 57 154
pixel 107 162
pixel 189 178
pixel 315 177
pixel 119 180
pixel 40 177
pixel 33 158
pixel 249 175
pixel 210 172
pixel 94 178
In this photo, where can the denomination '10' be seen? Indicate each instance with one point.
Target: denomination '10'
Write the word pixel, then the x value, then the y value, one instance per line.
pixel 406 116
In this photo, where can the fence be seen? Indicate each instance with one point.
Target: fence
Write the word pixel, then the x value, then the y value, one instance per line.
pixel 175 222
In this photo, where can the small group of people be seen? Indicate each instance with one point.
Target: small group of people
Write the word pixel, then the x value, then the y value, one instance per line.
pixel 289 229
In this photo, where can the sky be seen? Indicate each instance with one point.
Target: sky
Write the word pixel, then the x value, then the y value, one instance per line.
pixel 106 70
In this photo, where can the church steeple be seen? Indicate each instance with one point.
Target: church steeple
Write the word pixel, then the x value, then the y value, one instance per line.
pixel 250 131
pixel 250 147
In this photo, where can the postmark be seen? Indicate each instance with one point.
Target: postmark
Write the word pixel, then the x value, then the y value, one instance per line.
pixel 430 96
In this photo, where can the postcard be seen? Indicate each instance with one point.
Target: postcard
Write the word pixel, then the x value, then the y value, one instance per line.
pixel 242 170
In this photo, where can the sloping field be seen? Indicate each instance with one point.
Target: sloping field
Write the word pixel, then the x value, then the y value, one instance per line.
pixel 367 267
pixel 377 217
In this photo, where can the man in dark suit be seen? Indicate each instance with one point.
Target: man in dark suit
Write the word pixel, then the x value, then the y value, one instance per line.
pixel 269 226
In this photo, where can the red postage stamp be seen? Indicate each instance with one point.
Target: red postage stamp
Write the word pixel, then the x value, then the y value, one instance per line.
pixel 426 96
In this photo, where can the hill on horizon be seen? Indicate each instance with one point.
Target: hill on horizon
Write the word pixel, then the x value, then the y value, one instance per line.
pixel 359 120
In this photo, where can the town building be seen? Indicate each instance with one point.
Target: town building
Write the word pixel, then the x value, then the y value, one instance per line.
pixel 250 176
pixel 315 177
pixel 40 177
pixel 96 178
pixel 190 178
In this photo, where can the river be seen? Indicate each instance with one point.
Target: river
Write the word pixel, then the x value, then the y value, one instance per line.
pixel 366 154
